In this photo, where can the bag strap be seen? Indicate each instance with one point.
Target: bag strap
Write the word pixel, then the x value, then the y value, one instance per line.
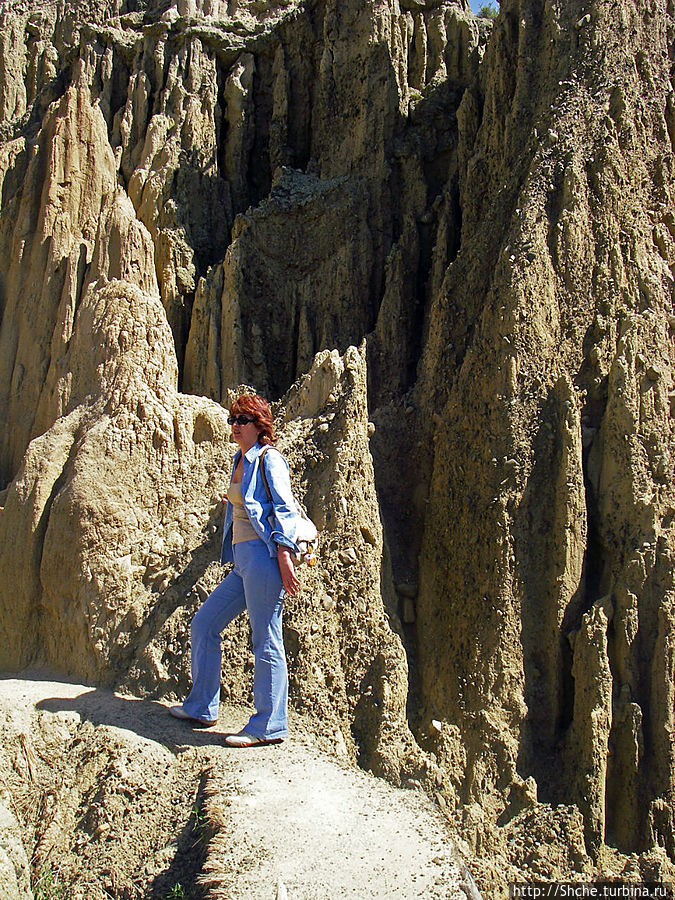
pixel 264 475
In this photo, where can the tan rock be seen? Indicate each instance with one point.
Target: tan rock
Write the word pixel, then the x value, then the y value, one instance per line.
pixel 230 193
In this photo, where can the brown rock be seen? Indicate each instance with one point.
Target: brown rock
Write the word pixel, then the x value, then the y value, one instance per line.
pixel 222 193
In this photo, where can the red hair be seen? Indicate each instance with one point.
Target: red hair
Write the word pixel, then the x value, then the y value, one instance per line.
pixel 259 410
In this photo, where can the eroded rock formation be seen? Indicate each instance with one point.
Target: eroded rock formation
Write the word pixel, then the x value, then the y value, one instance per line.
pixel 556 412
pixel 200 196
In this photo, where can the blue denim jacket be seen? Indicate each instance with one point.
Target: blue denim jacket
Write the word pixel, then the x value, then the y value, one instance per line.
pixel 275 522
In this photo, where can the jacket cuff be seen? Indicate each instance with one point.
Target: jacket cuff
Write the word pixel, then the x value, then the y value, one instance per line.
pixel 279 538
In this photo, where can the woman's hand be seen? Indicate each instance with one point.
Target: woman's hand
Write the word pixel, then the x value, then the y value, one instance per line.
pixel 288 577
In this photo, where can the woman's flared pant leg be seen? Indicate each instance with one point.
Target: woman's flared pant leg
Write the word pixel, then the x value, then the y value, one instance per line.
pixel 218 610
pixel 264 592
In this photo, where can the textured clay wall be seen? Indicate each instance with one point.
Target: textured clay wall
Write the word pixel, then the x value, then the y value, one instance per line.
pixel 445 248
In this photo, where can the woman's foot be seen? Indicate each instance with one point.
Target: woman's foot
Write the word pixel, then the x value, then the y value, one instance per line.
pixel 244 739
pixel 179 713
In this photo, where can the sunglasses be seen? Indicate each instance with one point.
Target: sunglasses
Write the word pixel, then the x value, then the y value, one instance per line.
pixel 240 420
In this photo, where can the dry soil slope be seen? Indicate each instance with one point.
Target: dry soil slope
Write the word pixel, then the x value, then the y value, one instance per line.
pixel 107 793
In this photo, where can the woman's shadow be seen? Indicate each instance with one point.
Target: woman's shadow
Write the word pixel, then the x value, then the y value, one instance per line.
pixel 148 719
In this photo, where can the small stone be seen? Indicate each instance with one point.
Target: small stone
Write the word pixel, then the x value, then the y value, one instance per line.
pixel 327 602
pixel 161 584
pixel 371 429
pixel 436 725
pixel 367 535
pixel 661 467
pixel 323 427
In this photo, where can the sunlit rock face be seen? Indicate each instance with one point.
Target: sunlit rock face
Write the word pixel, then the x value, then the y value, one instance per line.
pixel 444 249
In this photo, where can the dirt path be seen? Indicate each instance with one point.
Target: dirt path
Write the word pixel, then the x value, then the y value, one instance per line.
pixel 144 803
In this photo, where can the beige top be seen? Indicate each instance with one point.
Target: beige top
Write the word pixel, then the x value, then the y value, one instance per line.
pixel 242 530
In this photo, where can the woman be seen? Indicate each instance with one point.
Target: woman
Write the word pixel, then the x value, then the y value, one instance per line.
pixel 259 530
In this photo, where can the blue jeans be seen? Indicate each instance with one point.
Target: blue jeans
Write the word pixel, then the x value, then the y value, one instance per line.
pixel 254 584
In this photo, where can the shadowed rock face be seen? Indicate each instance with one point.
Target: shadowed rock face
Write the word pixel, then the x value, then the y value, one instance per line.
pixel 197 197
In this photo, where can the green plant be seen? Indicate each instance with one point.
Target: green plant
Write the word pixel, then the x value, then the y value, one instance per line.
pixel 177 892
pixel 49 885
pixel 487 11
pixel 198 824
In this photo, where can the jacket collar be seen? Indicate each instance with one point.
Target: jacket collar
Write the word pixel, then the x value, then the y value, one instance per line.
pixel 254 451
pixel 251 454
